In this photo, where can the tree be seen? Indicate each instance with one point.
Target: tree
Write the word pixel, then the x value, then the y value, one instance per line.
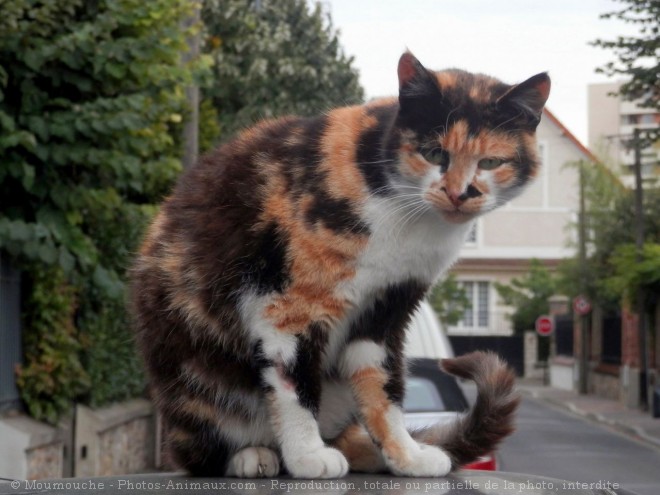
pixel 274 58
pixel 638 57
pixel 449 301
pixel 610 213
pixel 630 274
pixel 90 110
pixel 529 295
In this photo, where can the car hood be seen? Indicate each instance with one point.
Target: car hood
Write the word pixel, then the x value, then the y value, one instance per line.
pixel 418 420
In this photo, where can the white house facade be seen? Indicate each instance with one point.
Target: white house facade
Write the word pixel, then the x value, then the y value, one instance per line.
pixel 535 225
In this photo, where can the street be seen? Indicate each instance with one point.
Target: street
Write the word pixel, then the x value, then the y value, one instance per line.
pixel 550 442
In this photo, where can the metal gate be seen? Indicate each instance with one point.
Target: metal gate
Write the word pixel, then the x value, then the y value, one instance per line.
pixel 564 335
pixel 611 351
pixel 10 333
pixel 511 349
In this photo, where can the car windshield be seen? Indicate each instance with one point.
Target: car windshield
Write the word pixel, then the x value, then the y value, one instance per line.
pixel 422 396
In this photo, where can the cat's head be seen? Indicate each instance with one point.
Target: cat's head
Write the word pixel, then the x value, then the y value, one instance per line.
pixel 467 140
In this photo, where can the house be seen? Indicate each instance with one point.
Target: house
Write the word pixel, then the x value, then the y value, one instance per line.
pixel 534 225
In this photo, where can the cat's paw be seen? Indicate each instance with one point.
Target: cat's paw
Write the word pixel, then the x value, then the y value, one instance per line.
pixel 254 462
pixel 424 461
pixel 323 463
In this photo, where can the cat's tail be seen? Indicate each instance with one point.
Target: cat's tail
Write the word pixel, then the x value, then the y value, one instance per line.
pixel 490 420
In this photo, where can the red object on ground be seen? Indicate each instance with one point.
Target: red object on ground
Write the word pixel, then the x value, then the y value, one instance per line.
pixel 485 463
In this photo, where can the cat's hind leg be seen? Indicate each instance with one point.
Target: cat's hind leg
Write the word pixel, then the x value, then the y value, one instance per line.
pixel 375 372
pixel 362 453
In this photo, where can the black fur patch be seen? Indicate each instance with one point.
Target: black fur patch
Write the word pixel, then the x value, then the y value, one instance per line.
pixel 335 214
pixel 267 267
pixel 375 154
pixel 306 372
pixel 207 455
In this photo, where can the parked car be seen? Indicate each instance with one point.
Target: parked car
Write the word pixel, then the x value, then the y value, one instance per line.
pixel 432 395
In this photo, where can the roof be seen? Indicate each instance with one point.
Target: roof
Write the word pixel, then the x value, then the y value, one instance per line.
pixel 571 137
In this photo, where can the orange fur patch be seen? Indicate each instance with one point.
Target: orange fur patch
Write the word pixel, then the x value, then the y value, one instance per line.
pixel 358 447
pixel 368 386
pixel 154 233
pixel 339 149
pixel 413 164
pixel 179 436
pixel 504 175
pixel 459 143
pixel 446 79
pixel 320 259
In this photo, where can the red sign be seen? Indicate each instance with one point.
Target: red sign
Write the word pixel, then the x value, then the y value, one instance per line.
pixel 581 305
pixel 545 325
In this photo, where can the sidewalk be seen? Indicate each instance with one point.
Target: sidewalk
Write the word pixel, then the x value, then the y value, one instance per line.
pixel 630 421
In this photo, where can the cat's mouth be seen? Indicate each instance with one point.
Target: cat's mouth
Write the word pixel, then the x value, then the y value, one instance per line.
pixel 457 216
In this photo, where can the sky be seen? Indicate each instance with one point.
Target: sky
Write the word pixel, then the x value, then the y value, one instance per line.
pixel 508 39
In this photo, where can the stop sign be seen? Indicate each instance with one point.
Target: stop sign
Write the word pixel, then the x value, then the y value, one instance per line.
pixel 545 325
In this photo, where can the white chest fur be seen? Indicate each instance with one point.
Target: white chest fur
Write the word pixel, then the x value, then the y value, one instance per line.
pixel 397 252
pixel 403 247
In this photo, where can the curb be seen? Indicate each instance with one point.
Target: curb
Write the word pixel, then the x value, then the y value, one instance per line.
pixel 636 431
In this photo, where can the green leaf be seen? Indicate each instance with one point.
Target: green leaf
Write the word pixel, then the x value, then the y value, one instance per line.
pixel 48 254
pixel 66 260
pixel 19 231
pixel 28 176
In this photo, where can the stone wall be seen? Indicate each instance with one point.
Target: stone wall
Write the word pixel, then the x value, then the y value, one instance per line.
pixel 605 385
pixel 45 461
pixel 30 449
pixel 115 440
pixel 127 448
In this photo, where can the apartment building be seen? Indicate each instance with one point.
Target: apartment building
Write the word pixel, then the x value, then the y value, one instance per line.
pixel 611 124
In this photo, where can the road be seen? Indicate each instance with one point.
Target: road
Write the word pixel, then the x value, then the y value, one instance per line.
pixel 555 443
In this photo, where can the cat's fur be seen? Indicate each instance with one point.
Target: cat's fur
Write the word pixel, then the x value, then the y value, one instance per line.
pixel 273 288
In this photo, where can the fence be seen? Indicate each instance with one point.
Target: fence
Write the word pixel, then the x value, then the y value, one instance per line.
pixel 10 333
pixel 511 349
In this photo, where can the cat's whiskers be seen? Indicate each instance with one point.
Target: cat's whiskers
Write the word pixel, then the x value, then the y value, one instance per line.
pixel 386 160
pixel 392 212
pixel 410 217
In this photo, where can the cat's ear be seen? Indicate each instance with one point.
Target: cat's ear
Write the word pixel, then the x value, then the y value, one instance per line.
pixel 528 97
pixel 414 78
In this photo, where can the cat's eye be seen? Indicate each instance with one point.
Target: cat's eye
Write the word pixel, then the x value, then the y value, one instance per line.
pixel 489 163
pixel 437 156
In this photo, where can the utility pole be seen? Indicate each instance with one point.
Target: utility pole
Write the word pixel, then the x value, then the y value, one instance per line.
pixel 191 125
pixel 639 245
pixel 584 347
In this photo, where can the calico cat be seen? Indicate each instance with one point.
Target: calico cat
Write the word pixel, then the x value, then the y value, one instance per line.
pixel 272 290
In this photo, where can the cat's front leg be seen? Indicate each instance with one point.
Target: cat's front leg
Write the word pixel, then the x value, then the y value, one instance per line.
pixel 293 391
pixel 376 377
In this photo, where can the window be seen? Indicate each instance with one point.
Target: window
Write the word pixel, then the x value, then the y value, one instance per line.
pixel 471 238
pixel 421 396
pixel 477 315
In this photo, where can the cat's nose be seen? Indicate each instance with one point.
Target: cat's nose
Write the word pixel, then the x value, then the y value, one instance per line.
pixel 457 198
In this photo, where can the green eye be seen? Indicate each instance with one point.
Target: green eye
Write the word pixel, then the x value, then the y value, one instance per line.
pixel 489 163
pixel 437 156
